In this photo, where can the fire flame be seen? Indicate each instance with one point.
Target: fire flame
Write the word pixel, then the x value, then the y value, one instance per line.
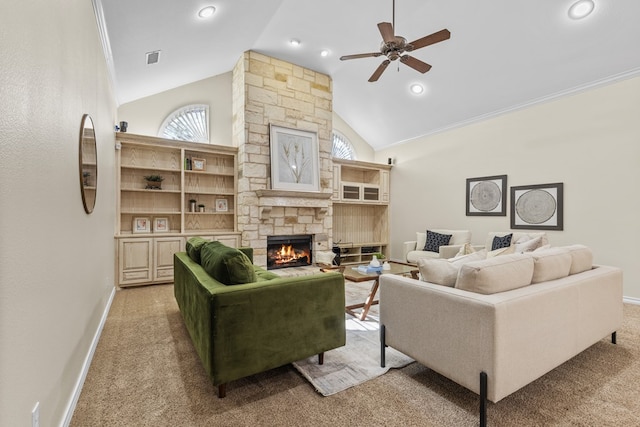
pixel 287 254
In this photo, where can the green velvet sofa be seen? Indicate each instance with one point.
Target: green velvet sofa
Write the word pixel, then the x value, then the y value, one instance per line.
pixel 243 329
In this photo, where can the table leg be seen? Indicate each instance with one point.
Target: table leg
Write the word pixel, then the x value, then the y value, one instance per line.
pixel 366 305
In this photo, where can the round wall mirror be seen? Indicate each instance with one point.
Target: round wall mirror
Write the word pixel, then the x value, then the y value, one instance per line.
pixel 88 163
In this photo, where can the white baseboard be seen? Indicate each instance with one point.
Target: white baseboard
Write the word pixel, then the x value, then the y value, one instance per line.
pixel 87 363
pixel 630 300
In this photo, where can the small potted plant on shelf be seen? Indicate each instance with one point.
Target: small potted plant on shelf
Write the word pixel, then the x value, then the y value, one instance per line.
pixel 154 182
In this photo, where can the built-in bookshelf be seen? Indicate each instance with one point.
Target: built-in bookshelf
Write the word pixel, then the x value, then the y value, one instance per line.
pixel 196 196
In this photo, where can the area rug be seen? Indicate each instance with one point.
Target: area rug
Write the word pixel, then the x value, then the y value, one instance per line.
pixel 355 363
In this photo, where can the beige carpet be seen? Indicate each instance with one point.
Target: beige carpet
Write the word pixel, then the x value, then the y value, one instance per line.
pixel 146 373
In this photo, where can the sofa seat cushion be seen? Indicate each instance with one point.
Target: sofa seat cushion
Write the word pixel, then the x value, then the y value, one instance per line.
pixel 550 264
pixel 497 274
pixel 445 271
pixel 264 275
pixel 194 246
pixel 227 265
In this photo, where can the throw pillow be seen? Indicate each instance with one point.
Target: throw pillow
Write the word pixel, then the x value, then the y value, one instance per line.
pixel 194 246
pixel 501 242
pixel 227 265
pixel 445 272
pixel 435 240
pixel 325 257
pixel 465 249
pixel 526 244
pixel 502 251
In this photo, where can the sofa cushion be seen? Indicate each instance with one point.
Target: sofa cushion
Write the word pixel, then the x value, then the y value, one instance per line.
pixel 445 271
pixel 527 244
pixel 581 258
pixel 550 264
pixel 501 242
pixel 465 249
pixel 227 265
pixel 497 274
pixel 263 275
pixel 194 246
pixel 435 240
pixel 502 251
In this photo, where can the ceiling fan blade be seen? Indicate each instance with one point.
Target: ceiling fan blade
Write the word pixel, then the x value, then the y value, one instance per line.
pixel 378 72
pixel 441 35
pixel 386 30
pixel 360 55
pixel 414 63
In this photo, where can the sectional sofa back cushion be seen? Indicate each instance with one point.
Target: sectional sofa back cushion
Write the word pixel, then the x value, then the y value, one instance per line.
pixel 581 258
pixel 194 246
pixel 550 264
pixel 227 265
pixel 497 274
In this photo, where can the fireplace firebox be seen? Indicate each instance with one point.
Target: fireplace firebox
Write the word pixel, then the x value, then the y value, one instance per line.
pixel 288 251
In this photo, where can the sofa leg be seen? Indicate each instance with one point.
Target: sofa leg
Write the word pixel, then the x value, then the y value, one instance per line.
pixel 382 346
pixel 483 399
pixel 222 390
pixel 320 358
pixel 614 338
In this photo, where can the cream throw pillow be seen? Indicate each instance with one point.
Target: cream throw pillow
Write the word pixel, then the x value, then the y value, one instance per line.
pixel 445 272
pixel 466 249
pixel 501 251
pixel 527 244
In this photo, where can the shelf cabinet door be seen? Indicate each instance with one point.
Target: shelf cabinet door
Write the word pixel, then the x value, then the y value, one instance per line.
pixel 164 248
pixel 384 186
pixel 135 261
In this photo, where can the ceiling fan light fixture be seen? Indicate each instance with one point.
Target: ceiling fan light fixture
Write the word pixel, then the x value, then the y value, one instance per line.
pixel 416 89
pixel 206 12
pixel 581 9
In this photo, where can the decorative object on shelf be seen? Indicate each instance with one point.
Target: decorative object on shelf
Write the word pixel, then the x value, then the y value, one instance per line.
pixel 386 265
pixel 160 225
pixel 85 178
pixel 88 160
pixel 123 126
pixel 198 164
pixel 154 182
pixel 221 205
pixel 537 207
pixel 294 159
pixel 486 196
pixel 374 262
pixel 141 225
pixel 200 208
pixel 192 205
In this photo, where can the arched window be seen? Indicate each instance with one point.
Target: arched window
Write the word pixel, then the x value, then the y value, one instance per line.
pixel 190 123
pixel 342 148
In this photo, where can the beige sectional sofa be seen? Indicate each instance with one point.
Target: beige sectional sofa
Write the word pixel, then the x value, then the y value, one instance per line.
pixel 506 320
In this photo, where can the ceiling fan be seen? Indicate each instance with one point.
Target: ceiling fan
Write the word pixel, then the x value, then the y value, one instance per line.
pixel 394 47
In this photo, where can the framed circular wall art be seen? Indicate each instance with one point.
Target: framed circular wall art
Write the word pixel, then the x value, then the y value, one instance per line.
pixel 537 207
pixel 486 196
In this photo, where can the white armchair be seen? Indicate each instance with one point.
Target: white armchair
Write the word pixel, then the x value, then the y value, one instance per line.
pixel 414 249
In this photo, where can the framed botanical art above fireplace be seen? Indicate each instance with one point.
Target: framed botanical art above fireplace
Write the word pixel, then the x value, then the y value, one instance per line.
pixel 294 159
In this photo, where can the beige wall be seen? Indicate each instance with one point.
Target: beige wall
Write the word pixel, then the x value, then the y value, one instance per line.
pixel 56 262
pixel 147 114
pixel 589 141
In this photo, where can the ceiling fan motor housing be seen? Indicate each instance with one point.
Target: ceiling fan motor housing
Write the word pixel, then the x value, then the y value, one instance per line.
pixel 394 49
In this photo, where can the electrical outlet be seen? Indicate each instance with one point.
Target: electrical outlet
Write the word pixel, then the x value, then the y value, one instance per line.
pixel 35 415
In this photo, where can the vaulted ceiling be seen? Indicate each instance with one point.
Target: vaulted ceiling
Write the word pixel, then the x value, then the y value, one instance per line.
pixel 502 54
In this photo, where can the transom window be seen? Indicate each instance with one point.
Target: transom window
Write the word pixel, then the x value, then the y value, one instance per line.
pixel 342 148
pixel 190 123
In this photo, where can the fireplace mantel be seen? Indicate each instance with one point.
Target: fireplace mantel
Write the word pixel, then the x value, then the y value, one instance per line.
pixel 268 199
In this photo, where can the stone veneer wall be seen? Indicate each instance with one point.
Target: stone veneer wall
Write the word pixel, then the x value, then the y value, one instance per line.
pixel 270 91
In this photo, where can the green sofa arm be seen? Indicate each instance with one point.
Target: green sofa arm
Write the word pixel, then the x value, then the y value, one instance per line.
pixel 242 330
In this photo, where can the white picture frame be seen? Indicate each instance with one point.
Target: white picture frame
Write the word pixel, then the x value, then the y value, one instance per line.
pixel 141 225
pixel 294 159
pixel 161 225
pixel 222 205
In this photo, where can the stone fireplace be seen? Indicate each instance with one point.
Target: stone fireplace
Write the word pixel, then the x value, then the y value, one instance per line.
pixel 289 251
pixel 270 91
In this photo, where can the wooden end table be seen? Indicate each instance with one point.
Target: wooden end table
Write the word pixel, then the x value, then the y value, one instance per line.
pixel 350 273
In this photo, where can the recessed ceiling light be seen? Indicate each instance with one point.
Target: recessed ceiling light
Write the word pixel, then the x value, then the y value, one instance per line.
pixel 324 52
pixel 581 9
pixel 206 12
pixel 416 88
pixel 294 42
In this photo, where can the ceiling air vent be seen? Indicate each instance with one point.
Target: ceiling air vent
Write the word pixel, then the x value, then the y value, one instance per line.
pixel 153 57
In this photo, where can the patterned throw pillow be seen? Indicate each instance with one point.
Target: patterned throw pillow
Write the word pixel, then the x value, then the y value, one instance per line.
pixel 501 242
pixel 435 240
